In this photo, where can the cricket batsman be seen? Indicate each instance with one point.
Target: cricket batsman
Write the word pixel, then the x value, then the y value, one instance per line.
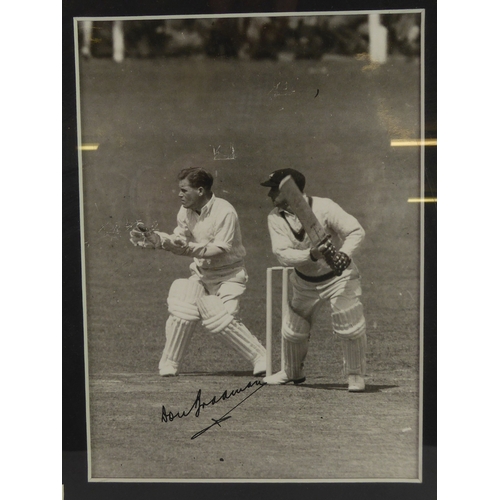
pixel 208 232
pixel 322 273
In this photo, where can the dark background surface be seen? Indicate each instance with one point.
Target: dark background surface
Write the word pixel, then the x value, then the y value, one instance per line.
pixel 74 438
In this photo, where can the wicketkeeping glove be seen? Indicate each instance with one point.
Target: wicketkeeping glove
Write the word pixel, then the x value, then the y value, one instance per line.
pixel 143 237
pixel 175 244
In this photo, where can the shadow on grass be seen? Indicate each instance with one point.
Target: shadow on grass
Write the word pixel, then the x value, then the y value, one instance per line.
pixel 343 387
pixel 220 374
pixel 326 387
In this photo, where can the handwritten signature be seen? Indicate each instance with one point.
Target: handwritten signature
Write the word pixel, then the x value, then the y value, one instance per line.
pixel 198 405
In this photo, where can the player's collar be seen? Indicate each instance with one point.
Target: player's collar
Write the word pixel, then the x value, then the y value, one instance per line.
pixel 208 206
pixel 299 235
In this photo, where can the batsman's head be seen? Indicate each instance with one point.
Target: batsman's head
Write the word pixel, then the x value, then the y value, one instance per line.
pixel 274 180
pixel 277 176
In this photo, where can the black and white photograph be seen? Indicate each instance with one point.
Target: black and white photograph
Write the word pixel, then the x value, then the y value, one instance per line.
pixel 252 192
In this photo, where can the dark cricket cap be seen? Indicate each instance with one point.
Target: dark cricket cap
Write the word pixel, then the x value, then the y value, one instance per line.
pixel 278 175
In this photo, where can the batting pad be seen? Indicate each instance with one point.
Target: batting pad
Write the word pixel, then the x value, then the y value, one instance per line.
pixel 214 314
pixel 294 354
pixel 178 332
pixel 349 322
pixel 295 328
pixel 216 319
pixel 182 299
pixel 354 351
pixel 237 335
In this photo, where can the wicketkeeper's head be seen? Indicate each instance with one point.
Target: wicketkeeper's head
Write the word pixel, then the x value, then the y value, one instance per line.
pixel 278 175
pixel 197 177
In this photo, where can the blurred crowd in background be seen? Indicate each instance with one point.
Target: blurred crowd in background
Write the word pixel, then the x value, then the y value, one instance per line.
pixel 297 37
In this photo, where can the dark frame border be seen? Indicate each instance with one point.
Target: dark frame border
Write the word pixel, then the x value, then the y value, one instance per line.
pixel 74 456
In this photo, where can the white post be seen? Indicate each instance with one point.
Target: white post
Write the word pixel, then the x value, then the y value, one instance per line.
pixel 378 39
pixel 284 305
pixel 269 321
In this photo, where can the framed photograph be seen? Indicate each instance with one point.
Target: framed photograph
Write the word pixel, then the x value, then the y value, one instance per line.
pixel 211 349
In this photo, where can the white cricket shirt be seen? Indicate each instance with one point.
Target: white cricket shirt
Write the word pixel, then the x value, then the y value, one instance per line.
pixel 293 249
pixel 218 224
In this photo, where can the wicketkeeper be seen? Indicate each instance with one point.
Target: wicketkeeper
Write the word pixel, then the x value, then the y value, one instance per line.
pixel 314 281
pixel 207 231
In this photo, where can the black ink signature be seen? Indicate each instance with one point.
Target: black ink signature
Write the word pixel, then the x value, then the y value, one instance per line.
pixel 225 416
pixel 198 405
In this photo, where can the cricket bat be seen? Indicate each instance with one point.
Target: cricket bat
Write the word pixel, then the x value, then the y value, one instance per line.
pixel 309 221
pixel 303 211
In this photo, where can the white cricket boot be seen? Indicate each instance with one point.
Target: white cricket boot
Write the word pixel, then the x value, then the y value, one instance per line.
pixel 356 383
pixel 169 369
pixel 282 378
